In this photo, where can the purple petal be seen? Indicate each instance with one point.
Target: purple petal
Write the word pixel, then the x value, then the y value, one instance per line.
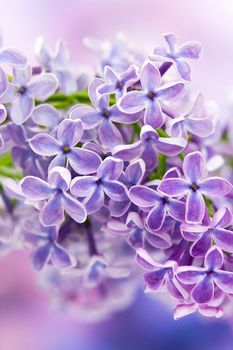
pixel 21 109
pixel 190 274
pixel 74 208
pixel 135 172
pixel 173 187
pixel 127 152
pixel 171 41
pixel 59 178
pixel 170 146
pixel 117 209
pixel 92 91
pixel 133 102
pixel 3 82
pixel 157 241
pixel 176 209
pixel 190 49
pixel 44 145
pixel 43 86
pixel 83 161
pixel 34 188
pixel 88 115
pixel 222 218
pixel 224 281
pixel 214 259
pixel 184 70
pixel 60 257
pixel 195 207
pixel 143 196
pixel 201 246
pixel 215 186
pixel 194 166
pixel 59 160
pixel 83 186
pixel 149 76
pixel 144 259
pixel 22 76
pixel 224 239
pixel 203 292
pixel 52 212
pixel 41 256
pixel 110 75
pixel 201 127
pixel 13 57
pixel 124 118
pixel 150 156
pixel 171 91
pixel 115 190
pixel 109 134
pixel 95 201
pixel 153 114
pixel 156 217
pixel 46 115
pixel 183 310
pixel 70 132
pixel 110 169
pixel 155 279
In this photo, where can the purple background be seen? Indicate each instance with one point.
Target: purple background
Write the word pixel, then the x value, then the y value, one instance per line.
pixel 26 320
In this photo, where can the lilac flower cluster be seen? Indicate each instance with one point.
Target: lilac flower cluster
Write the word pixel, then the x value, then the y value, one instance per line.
pixel 138 166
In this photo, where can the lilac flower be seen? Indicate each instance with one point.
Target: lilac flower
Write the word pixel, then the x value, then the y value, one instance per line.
pixel 149 98
pixel 204 235
pixel 191 122
pixel 194 186
pixel 117 83
pixel 148 147
pixel 55 191
pixel 162 275
pixel 47 116
pixel 95 188
pixel 58 63
pixel 12 57
pixel 206 278
pixel 103 116
pixel 145 197
pixel 177 54
pixel 69 133
pixel 23 90
pixel 133 175
pixel 45 239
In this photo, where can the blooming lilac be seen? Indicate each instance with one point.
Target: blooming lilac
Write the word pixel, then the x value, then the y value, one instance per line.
pixel 177 54
pixel 69 133
pixel 191 122
pixel 95 188
pixel 23 90
pixel 216 230
pixel 103 116
pixel 148 147
pixel 195 186
pixel 45 241
pixel 55 191
pixel 118 82
pixel 148 99
pixel 206 279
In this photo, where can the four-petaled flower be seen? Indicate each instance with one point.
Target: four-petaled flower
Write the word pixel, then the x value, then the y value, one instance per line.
pixel 23 90
pixel 202 235
pixel 150 97
pixel 103 116
pixel 69 133
pixel 206 278
pixel 117 83
pixel 55 191
pixel 95 188
pixel 148 147
pixel 177 54
pixel 194 186
pixel 47 248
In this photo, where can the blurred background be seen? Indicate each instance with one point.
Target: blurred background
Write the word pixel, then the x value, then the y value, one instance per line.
pixel 26 319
